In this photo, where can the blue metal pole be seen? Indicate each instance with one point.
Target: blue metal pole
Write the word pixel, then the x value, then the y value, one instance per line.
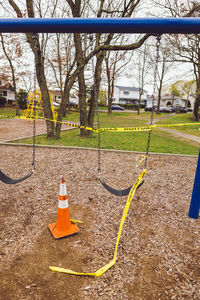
pixel 102 25
pixel 195 200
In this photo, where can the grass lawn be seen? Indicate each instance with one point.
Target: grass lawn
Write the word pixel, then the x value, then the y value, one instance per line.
pixel 161 142
pixel 9 111
pixel 183 118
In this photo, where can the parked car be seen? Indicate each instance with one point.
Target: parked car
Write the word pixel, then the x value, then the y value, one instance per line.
pixel 189 109
pixel 117 107
pixel 149 108
pixel 73 102
pixel 56 104
pixel 183 110
pixel 166 109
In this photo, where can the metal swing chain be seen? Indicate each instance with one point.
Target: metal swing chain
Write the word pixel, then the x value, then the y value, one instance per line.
pixel 96 105
pixel 34 102
pixel 158 42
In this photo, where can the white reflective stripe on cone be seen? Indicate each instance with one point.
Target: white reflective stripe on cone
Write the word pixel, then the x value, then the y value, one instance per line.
pixel 63 204
pixel 63 189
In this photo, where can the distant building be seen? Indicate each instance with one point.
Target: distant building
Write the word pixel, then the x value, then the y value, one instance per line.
pixel 173 101
pixel 7 90
pixel 128 95
pixel 150 101
pixel 56 95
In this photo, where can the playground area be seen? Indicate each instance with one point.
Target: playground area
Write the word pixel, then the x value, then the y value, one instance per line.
pixel 158 254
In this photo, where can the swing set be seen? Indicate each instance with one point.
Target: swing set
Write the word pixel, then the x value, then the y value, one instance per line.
pixel 152 26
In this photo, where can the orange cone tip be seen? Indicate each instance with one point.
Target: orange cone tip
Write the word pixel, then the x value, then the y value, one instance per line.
pixel 63 226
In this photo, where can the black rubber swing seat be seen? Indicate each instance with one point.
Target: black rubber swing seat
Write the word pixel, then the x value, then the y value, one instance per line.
pixel 116 192
pixel 7 180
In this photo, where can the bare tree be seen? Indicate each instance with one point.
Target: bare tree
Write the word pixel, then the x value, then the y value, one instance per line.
pixel 102 45
pixel 142 64
pixel 38 46
pixel 115 64
pixel 164 67
pixel 9 56
pixel 185 48
pixel 62 62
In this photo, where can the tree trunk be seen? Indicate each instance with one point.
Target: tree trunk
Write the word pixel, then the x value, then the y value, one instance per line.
pixel 109 100
pixel 109 86
pixel 95 90
pixel 64 106
pixel 45 94
pixel 82 103
pixel 15 89
pixel 159 98
pixel 61 114
pixel 34 43
pixel 139 102
pixel 197 104
pixel 81 83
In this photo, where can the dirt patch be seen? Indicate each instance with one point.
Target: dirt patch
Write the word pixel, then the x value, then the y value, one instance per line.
pixel 11 129
pixel 158 255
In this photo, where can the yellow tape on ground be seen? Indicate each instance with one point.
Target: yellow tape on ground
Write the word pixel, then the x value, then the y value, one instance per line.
pixel 113 261
pixel 76 221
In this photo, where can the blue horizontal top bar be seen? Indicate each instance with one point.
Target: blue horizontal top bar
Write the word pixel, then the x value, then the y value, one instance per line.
pixel 102 25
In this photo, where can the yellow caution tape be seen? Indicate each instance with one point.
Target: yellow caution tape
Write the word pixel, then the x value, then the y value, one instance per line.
pixel 142 159
pixel 125 129
pixel 76 221
pixel 69 124
pixel 3 117
pixel 51 120
pixel 113 261
pixel 174 125
pixel 144 128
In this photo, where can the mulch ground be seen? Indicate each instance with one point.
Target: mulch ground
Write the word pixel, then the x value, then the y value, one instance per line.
pixel 158 255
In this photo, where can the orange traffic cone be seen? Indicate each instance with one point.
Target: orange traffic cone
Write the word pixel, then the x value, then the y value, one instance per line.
pixel 63 226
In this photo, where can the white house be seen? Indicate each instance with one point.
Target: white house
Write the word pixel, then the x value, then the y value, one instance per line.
pixel 7 90
pixel 73 101
pixel 173 101
pixel 128 95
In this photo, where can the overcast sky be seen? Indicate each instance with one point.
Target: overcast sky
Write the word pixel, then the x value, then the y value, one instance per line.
pixel 179 72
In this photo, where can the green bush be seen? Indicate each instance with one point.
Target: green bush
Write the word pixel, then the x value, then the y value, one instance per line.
pixel 22 97
pixel 2 101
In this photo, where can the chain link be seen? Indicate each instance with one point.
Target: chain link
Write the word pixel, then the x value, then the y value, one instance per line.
pixel 35 36
pixel 96 105
pixel 96 100
pixel 154 95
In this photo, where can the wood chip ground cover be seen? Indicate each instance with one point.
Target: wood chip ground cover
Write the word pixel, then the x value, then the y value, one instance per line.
pixel 158 255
